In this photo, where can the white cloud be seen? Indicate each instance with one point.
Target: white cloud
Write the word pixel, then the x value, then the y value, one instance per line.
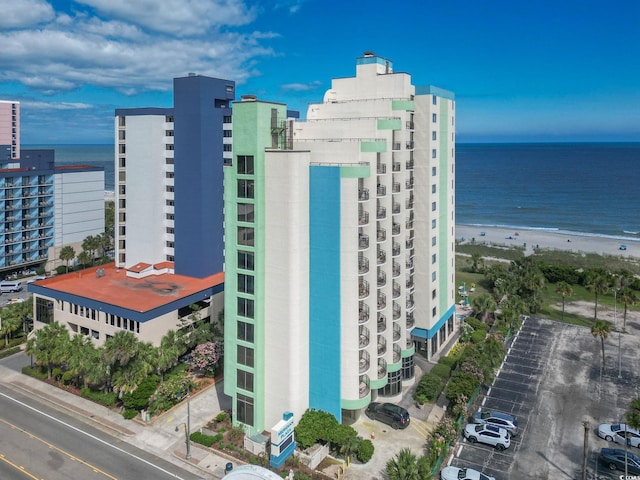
pixel 38 105
pixel 302 87
pixel 24 13
pixel 181 18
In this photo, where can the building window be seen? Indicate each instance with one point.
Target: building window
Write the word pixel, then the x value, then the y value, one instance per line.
pixel 394 385
pixel 245 356
pixel 244 409
pixel 245 307
pixel 245 236
pixel 433 206
pixel 245 260
pixel 170 230
pixel 245 331
pixel 433 276
pixel 407 368
pixel 245 164
pixel 245 188
pixel 227 133
pixel 433 171
pixel 121 121
pixel 433 188
pixel 122 162
pixel 434 118
pixel 433 135
pixel 170 216
pixel 434 153
pixel 434 100
pixel 44 310
pixel 170 244
pixel 245 380
pixel 168 133
pixel 434 344
pixel 169 188
pixel 122 149
pixel 169 175
pixel 168 161
pixel 227 119
pixel 227 147
pixel 433 223
pixel 245 212
pixel 168 146
pixel 245 283
pixel 433 294
pixel 433 259
pixel 433 241
pixel 169 203
pixel 168 119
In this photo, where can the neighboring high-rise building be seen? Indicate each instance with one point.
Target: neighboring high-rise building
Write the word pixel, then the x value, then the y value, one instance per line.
pixel 169 223
pixel 43 207
pixel 339 240
pixel 169 198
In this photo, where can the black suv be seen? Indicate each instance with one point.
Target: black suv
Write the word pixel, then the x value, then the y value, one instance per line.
pixel 393 415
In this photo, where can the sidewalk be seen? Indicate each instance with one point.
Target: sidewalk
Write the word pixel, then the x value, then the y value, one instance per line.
pixel 158 437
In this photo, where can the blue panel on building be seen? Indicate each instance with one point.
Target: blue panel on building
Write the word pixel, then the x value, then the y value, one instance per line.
pixel 200 105
pixel 324 287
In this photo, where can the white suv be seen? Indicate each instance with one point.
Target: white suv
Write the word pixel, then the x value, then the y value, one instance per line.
pixel 494 436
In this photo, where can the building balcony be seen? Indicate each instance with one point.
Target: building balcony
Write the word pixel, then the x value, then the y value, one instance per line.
pixel 410 343
pixel 396 146
pixel 364 361
pixel 382 346
pixel 382 257
pixel 395 251
pixel 382 278
pixel 409 244
pixel 382 323
pixel 412 234
pixel 397 353
pixel 395 269
pixel 409 224
pixel 381 190
pixel 364 336
pixel 397 311
pixel 408 203
pixel 395 290
pixel 410 125
pixel 382 368
pixel 397 332
pixel 410 305
pixel 410 284
pixel 381 213
pixel 363 265
pixel 381 235
pixel 382 301
pixel 408 185
pixel 395 208
pixel 363 218
pixel 409 145
pixel 395 166
pixel 363 313
pixel 363 194
pixel 364 386
pixel 363 241
pixel 381 169
pixel 395 229
pixel 363 289
pixel 395 187
pixel 410 320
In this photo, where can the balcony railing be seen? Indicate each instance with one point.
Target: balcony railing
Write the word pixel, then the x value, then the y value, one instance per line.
pixel 363 241
pixel 409 244
pixel 397 311
pixel 409 224
pixel 395 188
pixel 382 278
pixel 397 332
pixel 395 166
pixel 382 346
pixel 409 145
pixel 381 169
pixel 363 265
pixel 396 249
pixel 363 313
pixel 364 336
pixel 410 320
pixel 382 301
pixel 396 145
pixel 363 289
pixel 382 368
pixel 381 235
pixel 363 194
pixel 408 185
pixel 381 190
pixel 382 257
pixel 397 353
pixel 396 269
pixel 395 208
pixel 395 229
pixel 410 304
pixel 410 343
pixel 363 218
pixel 364 386
pixel 381 213
pixel 410 125
pixel 396 289
pixel 364 361
pixel 382 323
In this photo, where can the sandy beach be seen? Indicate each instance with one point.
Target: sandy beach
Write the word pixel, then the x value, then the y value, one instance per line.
pixel 547 240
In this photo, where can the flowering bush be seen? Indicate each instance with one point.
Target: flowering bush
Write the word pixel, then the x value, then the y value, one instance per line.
pixel 205 357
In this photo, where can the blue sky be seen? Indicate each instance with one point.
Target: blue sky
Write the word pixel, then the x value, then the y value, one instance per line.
pixel 546 70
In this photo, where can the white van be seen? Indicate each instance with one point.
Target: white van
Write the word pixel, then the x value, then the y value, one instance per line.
pixel 8 287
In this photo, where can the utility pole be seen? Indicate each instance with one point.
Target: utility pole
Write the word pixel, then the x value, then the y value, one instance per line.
pixel 585 424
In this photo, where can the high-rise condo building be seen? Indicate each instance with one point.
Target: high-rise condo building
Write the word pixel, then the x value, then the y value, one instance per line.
pixel 339 241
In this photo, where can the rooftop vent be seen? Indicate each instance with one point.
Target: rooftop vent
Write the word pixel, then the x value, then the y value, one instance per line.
pixel 100 272
pixel 248 98
pixel 191 74
pixel 369 54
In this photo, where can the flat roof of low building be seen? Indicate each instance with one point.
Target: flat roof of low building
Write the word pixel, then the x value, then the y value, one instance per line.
pixel 108 288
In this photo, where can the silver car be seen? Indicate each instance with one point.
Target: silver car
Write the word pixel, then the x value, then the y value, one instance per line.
pixel 499 419
pixel 494 436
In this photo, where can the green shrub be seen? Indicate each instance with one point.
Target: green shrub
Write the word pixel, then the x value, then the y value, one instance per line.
pixel 365 451
pixel 56 373
pixel 478 336
pixel 139 398
pixel 129 413
pixel 221 417
pixel 236 434
pixel 461 383
pixel 108 399
pixel 447 360
pixel 428 388
pixel 476 324
pixel 314 425
pixel 67 377
pixel 9 351
pixel 36 371
pixel 442 371
pixel 202 439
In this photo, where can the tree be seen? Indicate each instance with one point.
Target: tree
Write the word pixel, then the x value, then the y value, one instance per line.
pixel 628 298
pixel 564 290
pixel 404 466
pixel 81 358
pixel 483 304
pixel 633 414
pixel 597 281
pixel 206 357
pixel 120 349
pixel 84 258
pixel 168 353
pixel 601 329
pixel 10 321
pixel 477 263
pixel 67 253
pixel 49 345
pixel 90 245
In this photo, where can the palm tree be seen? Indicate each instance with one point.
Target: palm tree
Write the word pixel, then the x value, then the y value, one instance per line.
pixel 483 304
pixel 564 289
pixel 597 282
pixel 120 349
pixel 633 414
pixel 404 466
pixel 49 345
pixel 628 297
pixel 477 262
pixel 81 357
pixel 601 329
pixel 67 253
pixel 90 245
pixel 10 322
pixel 167 353
pixel 84 258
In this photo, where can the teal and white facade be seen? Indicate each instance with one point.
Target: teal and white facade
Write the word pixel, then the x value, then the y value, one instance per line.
pixel 339 243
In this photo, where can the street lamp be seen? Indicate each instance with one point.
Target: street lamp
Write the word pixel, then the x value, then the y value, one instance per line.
pixel 187 427
pixel 615 322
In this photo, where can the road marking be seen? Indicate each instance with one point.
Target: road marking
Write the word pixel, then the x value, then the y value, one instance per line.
pixel 420 426
pixel 17 467
pixel 104 442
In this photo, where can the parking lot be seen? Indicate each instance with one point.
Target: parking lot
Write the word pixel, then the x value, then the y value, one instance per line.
pixel 551 381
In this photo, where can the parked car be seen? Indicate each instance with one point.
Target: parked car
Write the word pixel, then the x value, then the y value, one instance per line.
pixel 494 436
pixel 455 473
pixel 499 419
pixel 614 459
pixel 617 432
pixel 393 415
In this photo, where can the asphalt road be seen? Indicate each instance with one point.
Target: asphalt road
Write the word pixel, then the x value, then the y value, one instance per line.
pixel 38 442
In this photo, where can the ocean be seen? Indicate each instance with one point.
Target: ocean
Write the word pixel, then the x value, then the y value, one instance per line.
pixel 577 188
